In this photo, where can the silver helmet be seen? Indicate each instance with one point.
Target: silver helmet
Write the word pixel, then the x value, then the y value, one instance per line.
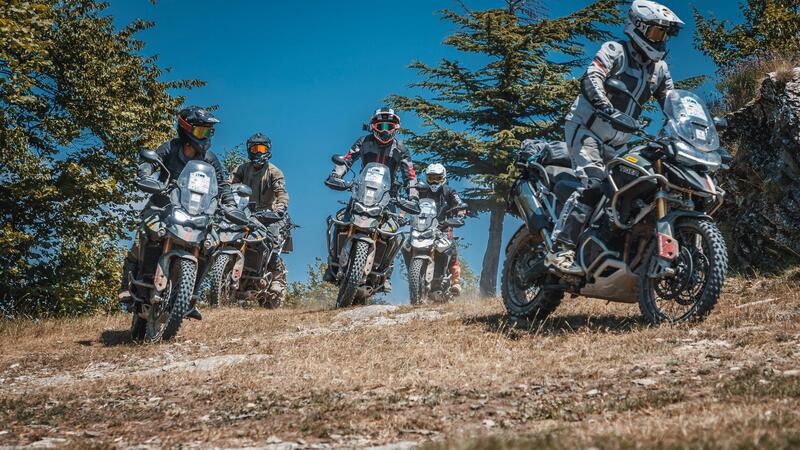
pixel 649 25
pixel 435 176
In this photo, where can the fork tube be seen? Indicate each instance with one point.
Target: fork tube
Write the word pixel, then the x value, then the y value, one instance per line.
pixel 167 245
pixel 661 202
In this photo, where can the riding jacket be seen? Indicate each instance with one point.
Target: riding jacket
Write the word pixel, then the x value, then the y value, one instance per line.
pixel 644 79
pixel 394 155
pixel 445 198
pixel 267 182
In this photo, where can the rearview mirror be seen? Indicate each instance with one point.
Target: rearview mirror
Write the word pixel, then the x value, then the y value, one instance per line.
pixel 339 160
pixel 243 190
pixel 617 85
pixel 454 222
pixel 150 156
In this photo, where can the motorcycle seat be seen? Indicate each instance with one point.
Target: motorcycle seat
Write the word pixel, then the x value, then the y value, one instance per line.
pixel 563 182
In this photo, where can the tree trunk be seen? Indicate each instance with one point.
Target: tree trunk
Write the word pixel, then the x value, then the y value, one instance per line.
pixel 491 259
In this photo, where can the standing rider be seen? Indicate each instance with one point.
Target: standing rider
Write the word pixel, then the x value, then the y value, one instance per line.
pixel 592 141
pixel 383 147
pixel 446 198
pixel 269 193
pixel 195 128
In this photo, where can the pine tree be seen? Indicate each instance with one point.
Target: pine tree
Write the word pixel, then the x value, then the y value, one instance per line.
pixel 476 117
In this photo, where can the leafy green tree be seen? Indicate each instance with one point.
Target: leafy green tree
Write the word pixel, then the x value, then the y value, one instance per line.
pixel 767 40
pixel 769 27
pixel 476 116
pixel 77 102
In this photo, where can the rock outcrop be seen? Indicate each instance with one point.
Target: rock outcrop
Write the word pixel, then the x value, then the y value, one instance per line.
pixel 762 210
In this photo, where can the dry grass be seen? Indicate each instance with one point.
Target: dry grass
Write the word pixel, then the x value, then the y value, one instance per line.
pixel 456 376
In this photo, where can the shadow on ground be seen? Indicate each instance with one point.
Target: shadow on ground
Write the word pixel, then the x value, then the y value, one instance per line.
pixel 113 338
pixel 559 325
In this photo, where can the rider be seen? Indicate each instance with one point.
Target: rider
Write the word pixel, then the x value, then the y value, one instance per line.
pixel 592 141
pixel 380 146
pixel 446 198
pixel 269 193
pixel 195 128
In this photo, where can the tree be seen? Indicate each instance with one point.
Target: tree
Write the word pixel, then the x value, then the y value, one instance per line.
pixel 769 27
pixel 767 40
pixel 314 291
pixel 77 102
pixel 477 116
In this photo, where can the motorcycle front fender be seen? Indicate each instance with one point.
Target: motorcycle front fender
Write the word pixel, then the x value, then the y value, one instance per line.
pixel 162 269
pixel 238 264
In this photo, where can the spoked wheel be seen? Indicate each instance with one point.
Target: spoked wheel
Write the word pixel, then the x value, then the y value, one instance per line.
pixel 355 271
pixel 523 295
pixel 416 281
pixel 164 319
pixel 699 274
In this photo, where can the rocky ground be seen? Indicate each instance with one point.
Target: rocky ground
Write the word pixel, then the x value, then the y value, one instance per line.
pixel 447 376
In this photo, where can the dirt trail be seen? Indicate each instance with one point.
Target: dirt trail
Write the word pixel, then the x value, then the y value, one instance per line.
pixel 393 377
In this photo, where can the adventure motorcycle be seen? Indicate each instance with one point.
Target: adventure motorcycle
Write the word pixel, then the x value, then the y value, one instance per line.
pixel 237 271
pixel 650 241
pixel 427 251
pixel 364 236
pixel 175 241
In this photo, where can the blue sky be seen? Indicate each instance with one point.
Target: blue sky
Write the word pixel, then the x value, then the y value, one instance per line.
pixel 308 74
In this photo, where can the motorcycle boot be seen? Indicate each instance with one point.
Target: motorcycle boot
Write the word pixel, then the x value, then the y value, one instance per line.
pixel 387 282
pixel 128 271
pixel 455 278
pixel 569 227
pixel 278 285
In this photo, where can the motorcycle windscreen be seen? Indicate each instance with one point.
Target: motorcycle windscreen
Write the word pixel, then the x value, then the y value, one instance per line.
pixel 198 188
pixel 689 119
pixel 424 220
pixel 374 184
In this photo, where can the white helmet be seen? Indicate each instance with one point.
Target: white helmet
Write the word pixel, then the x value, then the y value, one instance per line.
pixel 649 25
pixel 435 176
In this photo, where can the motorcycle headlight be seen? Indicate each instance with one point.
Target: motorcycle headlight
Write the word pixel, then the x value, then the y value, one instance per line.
pixel 359 208
pixel 690 156
pixel 179 216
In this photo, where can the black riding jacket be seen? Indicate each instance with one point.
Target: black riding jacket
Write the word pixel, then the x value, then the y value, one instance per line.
pixel 445 198
pixel 171 154
pixel 394 155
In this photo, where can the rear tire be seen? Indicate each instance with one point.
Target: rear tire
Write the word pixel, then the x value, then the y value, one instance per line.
pixel 526 301
pixel 165 319
pixel 220 288
pixel 416 281
pixel 694 292
pixel 355 271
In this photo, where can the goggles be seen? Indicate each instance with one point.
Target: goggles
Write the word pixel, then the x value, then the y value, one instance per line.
pixel 385 126
pixel 199 131
pixel 258 148
pixel 435 178
pixel 656 33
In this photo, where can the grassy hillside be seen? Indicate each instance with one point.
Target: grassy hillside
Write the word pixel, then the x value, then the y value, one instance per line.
pixel 444 376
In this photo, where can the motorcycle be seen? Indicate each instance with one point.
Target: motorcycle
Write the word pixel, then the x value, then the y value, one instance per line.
pixel 176 241
pixel 363 237
pixel 651 240
pixel 237 269
pixel 427 251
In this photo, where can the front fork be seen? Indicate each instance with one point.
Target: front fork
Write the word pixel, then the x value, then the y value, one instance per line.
pixel 667 246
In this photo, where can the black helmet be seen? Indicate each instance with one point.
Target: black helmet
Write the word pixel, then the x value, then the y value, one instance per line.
pixel 384 125
pixel 196 126
pixel 259 148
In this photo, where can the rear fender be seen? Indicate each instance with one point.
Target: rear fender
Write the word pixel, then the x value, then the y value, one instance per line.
pixel 161 277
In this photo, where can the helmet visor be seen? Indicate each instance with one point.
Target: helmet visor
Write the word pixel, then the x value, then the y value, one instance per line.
pixel 656 33
pixel 435 178
pixel 258 148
